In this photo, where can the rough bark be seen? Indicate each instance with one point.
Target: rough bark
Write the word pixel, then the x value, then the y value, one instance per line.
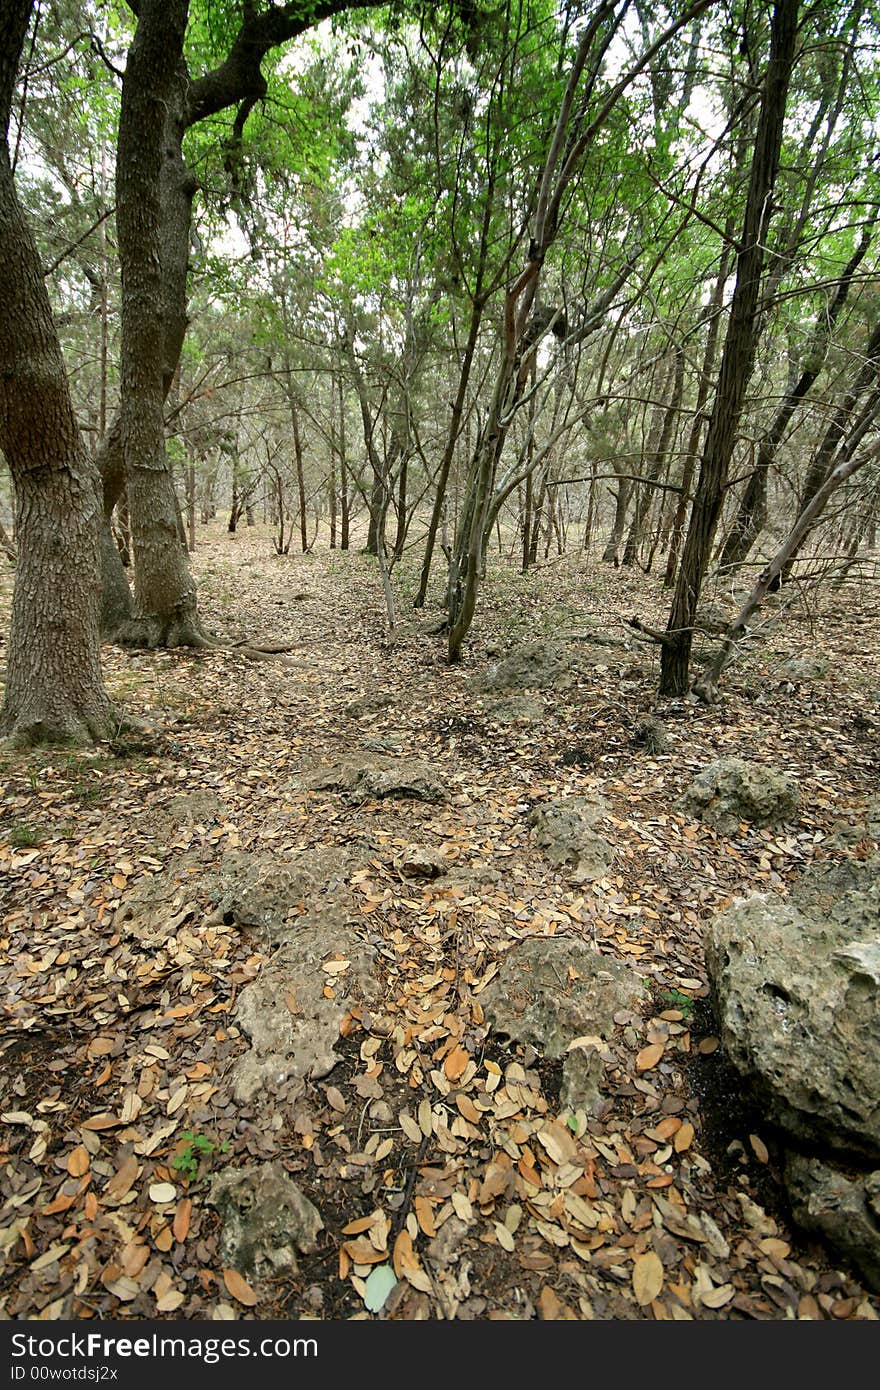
pixel 153 324
pixel 54 691
pixel 737 359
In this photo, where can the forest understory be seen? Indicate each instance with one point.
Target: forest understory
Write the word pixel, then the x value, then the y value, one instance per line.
pixel 433 1146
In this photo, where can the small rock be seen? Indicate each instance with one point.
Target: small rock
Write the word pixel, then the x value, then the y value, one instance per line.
pixel 267 1219
pixel 732 790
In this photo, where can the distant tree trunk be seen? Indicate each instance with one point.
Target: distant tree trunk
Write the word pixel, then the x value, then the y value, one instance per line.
pixel 665 422
pixel 821 462
pixel 233 502
pixel 621 503
pixel 737 359
pixel 344 519
pixel 191 502
pixel 54 691
pixel 300 476
pixel 707 686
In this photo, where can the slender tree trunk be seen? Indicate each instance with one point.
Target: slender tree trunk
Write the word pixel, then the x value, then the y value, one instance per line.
pixel 54 690
pixel 665 422
pixel 451 441
pixel 737 359
pixel 300 476
pixel 621 503
pixel 752 514
pixel 820 463
pixel 707 687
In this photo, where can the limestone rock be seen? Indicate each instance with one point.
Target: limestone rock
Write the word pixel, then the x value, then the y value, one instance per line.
pixel 292 1025
pixel 537 665
pixel 797 986
pixel 803 668
pixel 267 1219
pixel 565 830
pixel 516 709
pixel 732 790
pixel 368 777
pixel 419 861
pixel 843 1208
pixel 552 991
pixel 367 705
pixel 265 893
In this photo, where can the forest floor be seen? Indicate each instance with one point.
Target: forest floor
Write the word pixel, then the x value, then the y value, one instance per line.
pixel 432 1145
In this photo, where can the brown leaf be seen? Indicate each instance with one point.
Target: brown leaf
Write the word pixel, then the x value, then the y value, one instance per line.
pixel 455 1063
pixel 684 1137
pixel 239 1287
pixel 647 1277
pixel 649 1056
pixel 78 1161
pixel 182 1216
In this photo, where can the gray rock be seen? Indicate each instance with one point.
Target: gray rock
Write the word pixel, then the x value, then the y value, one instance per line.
pixel 842 1208
pixel 369 777
pixel 565 831
pixel 516 709
pixel 370 704
pixel 582 1076
pixel 267 1219
pixel 713 619
pixel 555 989
pixel 266 893
pixel 292 1025
pixel 537 665
pixel 851 833
pixel 803 668
pixel 732 790
pixel 164 820
pixel 419 861
pixel 797 986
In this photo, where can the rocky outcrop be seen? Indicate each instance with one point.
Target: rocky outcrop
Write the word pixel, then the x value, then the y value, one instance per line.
pixel 267 1219
pixel 537 665
pixel 732 790
pixel 293 1010
pixel 561 996
pixel 370 777
pixel 565 831
pixel 797 990
pixel 264 893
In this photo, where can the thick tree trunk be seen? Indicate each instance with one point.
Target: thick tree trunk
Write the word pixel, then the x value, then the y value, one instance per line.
pixel 54 691
pixel 737 359
pixel 153 195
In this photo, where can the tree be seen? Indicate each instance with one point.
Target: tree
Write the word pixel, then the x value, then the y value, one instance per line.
pixel 54 690
pixel 738 355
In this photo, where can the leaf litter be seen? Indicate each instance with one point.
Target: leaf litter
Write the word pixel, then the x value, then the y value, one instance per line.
pixel 451 1180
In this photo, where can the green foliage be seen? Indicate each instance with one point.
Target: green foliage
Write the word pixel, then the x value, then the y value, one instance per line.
pixel 197 1151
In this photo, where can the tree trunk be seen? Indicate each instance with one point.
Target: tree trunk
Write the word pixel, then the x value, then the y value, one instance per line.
pixel 54 691
pixel 820 464
pixel 153 196
pixel 752 514
pixel 707 687
pixel 664 424
pixel 737 359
